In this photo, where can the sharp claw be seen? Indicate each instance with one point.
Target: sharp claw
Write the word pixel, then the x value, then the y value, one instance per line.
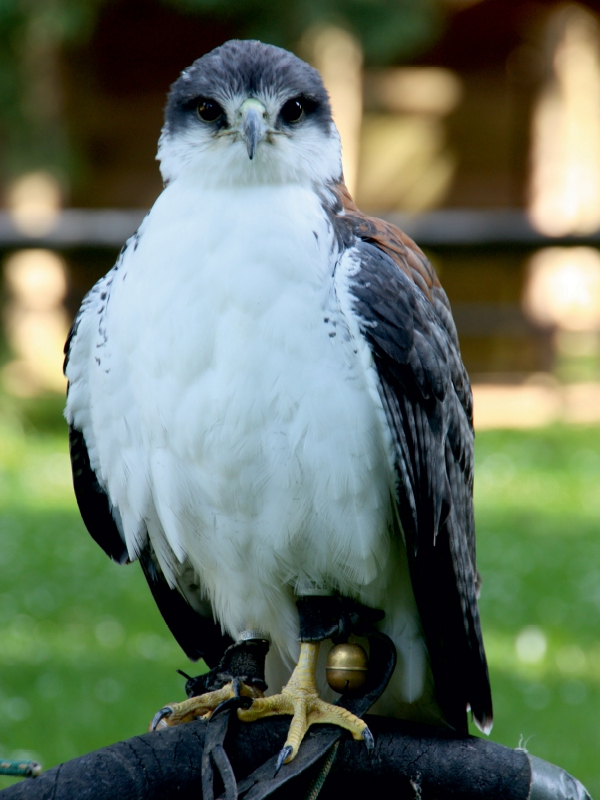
pixel 159 716
pixel 233 702
pixel 284 753
pixel 368 740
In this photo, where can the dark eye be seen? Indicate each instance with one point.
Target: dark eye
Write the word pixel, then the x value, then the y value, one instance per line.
pixel 209 110
pixel 293 110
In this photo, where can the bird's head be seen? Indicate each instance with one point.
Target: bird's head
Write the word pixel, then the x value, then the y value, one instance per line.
pixel 249 113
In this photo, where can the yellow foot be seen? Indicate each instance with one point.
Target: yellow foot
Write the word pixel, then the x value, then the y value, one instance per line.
pixel 300 699
pixel 201 706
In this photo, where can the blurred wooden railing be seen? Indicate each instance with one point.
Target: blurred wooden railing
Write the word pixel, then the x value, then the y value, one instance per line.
pixel 446 228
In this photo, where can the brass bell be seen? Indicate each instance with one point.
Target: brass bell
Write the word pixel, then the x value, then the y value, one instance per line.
pixel 346 669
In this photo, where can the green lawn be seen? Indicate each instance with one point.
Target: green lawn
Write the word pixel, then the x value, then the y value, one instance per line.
pixel 538 514
pixel 85 658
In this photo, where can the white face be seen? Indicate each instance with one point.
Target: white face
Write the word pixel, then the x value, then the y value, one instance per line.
pixel 240 138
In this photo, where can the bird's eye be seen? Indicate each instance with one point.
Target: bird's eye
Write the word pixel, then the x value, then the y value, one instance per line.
pixel 209 110
pixel 293 110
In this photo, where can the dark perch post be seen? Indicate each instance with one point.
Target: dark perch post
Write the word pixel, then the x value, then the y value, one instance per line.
pixel 409 761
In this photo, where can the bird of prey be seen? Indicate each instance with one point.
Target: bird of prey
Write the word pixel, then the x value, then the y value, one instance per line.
pixel 267 401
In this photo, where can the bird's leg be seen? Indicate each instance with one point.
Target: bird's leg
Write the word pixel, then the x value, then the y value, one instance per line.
pixel 299 698
pixel 235 681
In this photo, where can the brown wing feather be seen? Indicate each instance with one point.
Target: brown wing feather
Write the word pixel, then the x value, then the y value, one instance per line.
pixel 400 247
pixel 409 257
pixel 405 317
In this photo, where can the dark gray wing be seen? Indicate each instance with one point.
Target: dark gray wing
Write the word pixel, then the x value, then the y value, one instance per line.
pixel 93 502
pixel 197 635
pixel 427 398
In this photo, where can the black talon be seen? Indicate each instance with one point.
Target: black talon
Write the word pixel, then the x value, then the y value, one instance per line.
pixel 283 754
pixel 232 703
pixel 369 741
pixel 160 715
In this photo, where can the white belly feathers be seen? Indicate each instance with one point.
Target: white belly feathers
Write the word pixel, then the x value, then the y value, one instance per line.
pixel 235 415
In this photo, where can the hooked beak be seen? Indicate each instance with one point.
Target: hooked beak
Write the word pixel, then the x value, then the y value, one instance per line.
pixel 252 126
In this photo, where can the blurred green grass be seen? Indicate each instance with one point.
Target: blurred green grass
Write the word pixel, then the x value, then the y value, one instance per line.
pixel 85 659
pixel 537 496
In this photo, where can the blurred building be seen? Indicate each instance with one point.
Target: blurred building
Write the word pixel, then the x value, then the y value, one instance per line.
pixel 492 127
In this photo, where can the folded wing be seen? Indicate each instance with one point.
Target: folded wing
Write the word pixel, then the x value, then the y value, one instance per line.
pixel 404 315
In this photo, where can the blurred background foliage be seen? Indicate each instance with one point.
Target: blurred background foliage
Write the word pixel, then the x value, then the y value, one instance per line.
pixel 387 29
pixel 33 32
pixel 458 117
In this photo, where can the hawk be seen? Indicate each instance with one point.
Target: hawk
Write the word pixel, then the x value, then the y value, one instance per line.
pixel 267 401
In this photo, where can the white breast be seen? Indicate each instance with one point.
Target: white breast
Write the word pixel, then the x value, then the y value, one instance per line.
pixel 234 410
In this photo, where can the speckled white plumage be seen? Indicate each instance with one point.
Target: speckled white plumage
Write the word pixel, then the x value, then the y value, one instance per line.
pixel 230 405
